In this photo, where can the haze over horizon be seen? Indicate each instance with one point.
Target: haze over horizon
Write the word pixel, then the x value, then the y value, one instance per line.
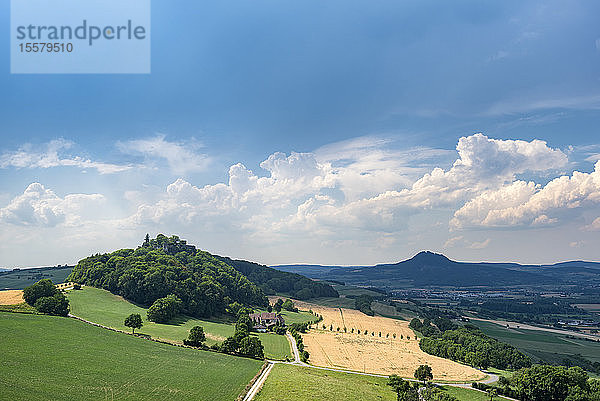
pixel 308 133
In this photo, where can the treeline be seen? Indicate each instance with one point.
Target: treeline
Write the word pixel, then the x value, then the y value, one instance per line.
pixel 469 345
pixel 547 383
pixel 428 329
pixel 242 343
pixel 205 285
pixel 273 281
pixel 363 304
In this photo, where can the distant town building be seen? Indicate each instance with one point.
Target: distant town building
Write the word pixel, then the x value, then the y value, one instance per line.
pixel 265 320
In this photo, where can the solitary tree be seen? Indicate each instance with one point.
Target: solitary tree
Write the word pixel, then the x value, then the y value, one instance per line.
pixel 196 337
pixel 134 321
pixel 423 373
pixel 399 385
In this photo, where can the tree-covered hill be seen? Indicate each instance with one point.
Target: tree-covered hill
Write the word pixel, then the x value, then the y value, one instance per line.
pixel 163 266
pixel 273 281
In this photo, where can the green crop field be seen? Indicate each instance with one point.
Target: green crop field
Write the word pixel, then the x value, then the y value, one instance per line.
pixel 465 394
pixel 20 279
pixel 541 344
pixel 102 307
pixel 54 358
pixel 297 383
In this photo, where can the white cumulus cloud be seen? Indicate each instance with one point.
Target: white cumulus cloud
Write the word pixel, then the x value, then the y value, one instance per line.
pixel 527 204
pixel 39 206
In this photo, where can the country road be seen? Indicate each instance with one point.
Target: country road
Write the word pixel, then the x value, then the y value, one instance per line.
pixel 258 383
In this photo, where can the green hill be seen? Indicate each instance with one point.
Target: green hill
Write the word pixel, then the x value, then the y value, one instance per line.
pixel 273 281
pixel 102 307
pixel 163 266
pixel 17 279
pixel 53 358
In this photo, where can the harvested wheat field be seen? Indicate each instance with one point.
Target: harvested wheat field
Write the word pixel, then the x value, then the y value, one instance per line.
pixel 371 352
pixel 11 297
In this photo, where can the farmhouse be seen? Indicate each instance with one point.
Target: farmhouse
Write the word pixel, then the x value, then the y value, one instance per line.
pixel 263 321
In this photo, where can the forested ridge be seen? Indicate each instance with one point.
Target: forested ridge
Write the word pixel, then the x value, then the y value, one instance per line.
pixel 167 265
pixel 469 345
pixel 273 281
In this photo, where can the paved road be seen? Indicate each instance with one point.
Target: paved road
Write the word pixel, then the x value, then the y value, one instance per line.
pixel 297 360
pixel 259 382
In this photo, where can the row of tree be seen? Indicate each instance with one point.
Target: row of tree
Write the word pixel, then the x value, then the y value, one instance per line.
pixel 242 343
pixel 554 383
pixel 470 345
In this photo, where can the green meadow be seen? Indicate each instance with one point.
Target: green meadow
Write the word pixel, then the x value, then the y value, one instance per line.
pixel 542 345
pixel 297 383
pixel 102 307
pixel 54 358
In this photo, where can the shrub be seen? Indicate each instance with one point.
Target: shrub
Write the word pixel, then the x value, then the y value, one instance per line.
pixel 57 305
pixel 164 309
pixel 43 288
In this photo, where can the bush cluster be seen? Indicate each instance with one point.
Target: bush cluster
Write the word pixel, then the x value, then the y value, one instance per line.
pixel 44 297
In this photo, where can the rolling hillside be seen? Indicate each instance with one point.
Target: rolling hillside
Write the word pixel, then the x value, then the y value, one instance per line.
pixel 70 360
pixel 431 269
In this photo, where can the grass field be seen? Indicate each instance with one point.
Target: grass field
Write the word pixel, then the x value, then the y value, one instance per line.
pixel 296 383
pixel 468 394
pixel 102 307
pixel 373 353
pixel 53 358
pixel 20 279
pixel 540 344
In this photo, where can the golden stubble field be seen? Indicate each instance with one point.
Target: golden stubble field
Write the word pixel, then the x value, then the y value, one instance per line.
pixel 11 297
pixel 371 353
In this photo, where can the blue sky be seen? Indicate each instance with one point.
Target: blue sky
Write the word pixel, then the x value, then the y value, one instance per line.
pixel 304 131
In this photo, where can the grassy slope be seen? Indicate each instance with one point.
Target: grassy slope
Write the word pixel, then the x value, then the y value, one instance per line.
pixel 100 306
pixel 540 344
pixel 53 358
pixel 468 395
pixel 296 383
